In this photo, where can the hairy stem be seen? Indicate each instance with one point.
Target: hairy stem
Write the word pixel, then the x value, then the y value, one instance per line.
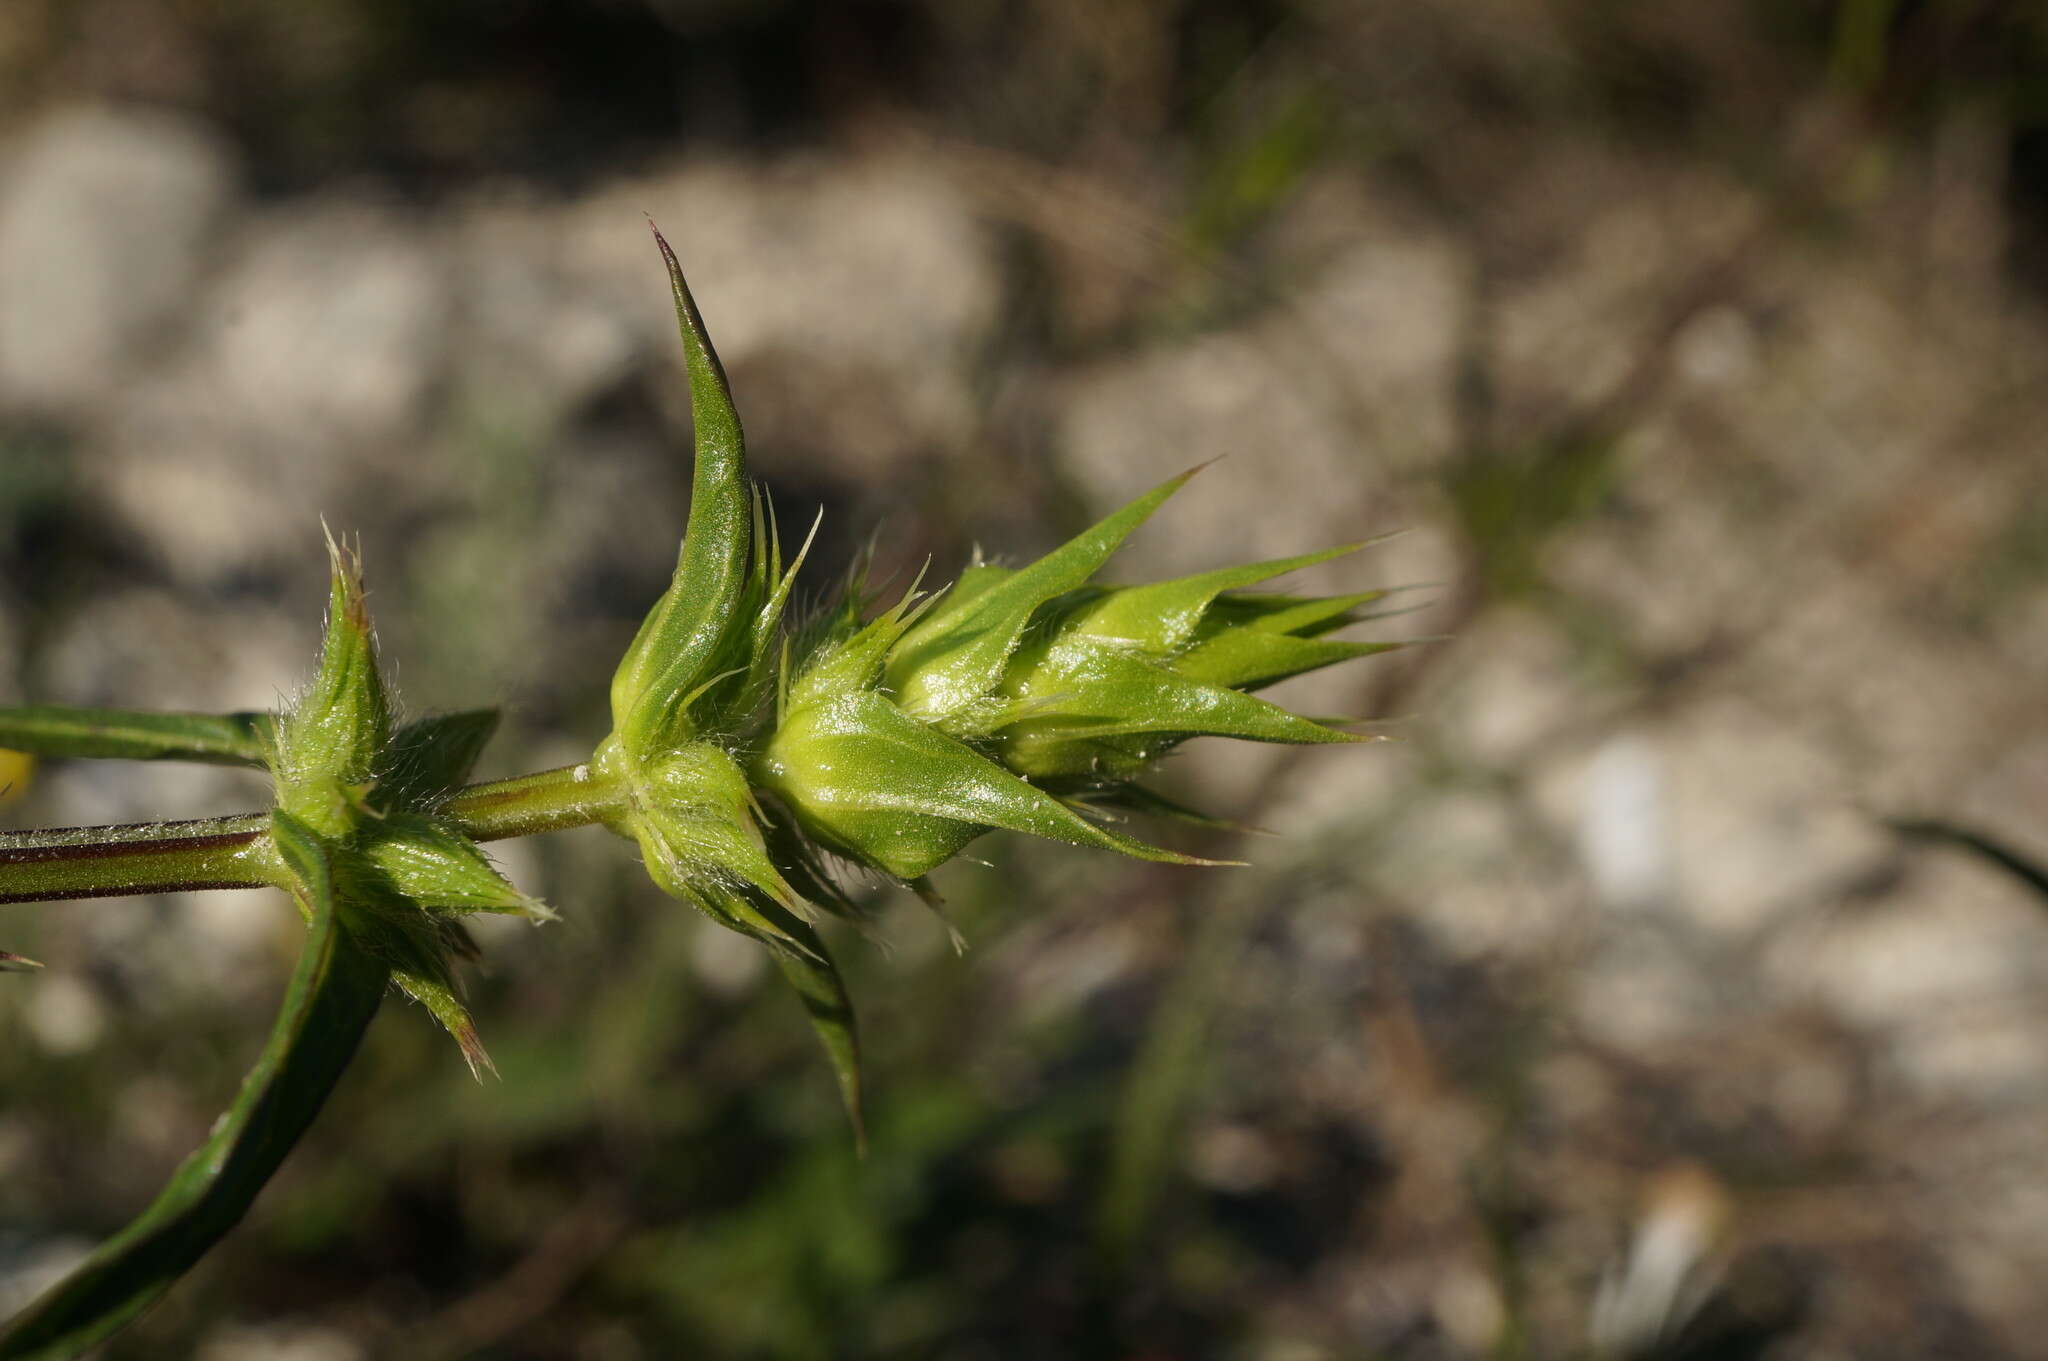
pixel 235 852
pixel 147 857
pixel 546 801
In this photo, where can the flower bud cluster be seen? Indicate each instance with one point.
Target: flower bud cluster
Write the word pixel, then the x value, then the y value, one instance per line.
pixel 1022 699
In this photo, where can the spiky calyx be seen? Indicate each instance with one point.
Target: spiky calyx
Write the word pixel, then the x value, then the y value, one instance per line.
pixel 1025 699
pixel 368 798
pixel 1022 699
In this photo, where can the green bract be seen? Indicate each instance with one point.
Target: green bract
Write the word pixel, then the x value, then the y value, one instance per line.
pixel 329 741
pixel 1022 699
pixel 366 795
pixel 688 700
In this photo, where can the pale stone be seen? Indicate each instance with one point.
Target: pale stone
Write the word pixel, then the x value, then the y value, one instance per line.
pixel 106 218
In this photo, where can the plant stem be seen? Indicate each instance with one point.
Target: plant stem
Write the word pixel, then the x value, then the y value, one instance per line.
pixel 235 852
pixel 146 857
pixel 546 801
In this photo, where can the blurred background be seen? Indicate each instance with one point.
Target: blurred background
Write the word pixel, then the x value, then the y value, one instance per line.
pixel 1699 352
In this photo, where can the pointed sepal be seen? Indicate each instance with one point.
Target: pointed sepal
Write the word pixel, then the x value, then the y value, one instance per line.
pixel 422 859
pixel 411 944
pixel 1162 616
pixel 328 744
pixel 879 787
pixel 945 668
pixel 696 631
pixel 1302 616
pixel 1096 694
pixel 1251 660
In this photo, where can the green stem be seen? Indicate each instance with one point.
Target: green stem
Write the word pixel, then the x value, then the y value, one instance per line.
pixel 147 857
pixel 546 801
pixel 235 852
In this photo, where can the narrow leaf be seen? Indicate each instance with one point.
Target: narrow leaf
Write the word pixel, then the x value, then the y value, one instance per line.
pixel 333 994
pixel 764 647
pixel 414 945
pixel 855 662
pixel 800 954
pixel 241 739
pixel 826 1002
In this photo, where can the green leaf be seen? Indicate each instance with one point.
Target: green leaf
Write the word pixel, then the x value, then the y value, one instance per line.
pixel 1092 690
pixel 800 954
pixel 241 739
pixel 422 859
pixel 954 657
pixel 432 757
pixel 1162 615
pixel 826 1002
pixel 855 662
pixel 875 784
pixel 689 636
pixel 333 994
pixel 425 978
